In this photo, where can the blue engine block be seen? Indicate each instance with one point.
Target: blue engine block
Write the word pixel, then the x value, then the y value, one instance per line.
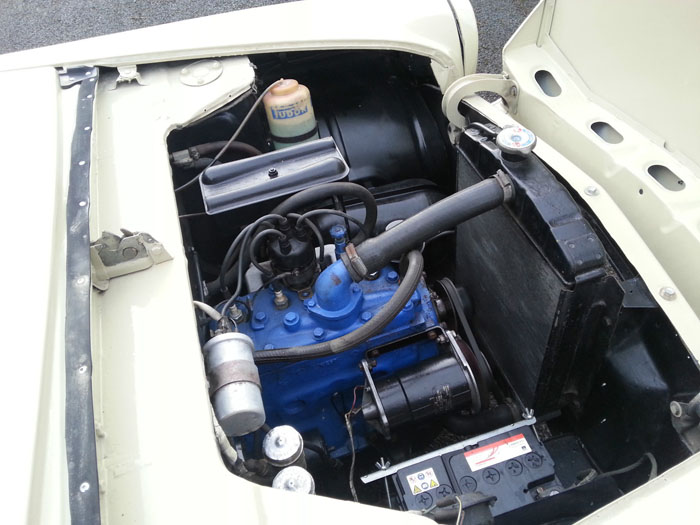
pixel 314 395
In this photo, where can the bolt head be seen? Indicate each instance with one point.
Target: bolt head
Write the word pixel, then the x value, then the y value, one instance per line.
pixel 591 191
pixel 392 277
pixel 668 293
pixel 676 409
pixel 261 317
pixel 366 316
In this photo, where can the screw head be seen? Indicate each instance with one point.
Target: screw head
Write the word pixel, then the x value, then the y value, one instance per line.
pixel 129 252
pixel 668 293
pixel 591 191
pixel 84 486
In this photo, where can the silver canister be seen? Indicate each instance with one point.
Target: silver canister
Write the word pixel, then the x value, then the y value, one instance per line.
pixel 234 383
pixel 294 479
pixel 283 446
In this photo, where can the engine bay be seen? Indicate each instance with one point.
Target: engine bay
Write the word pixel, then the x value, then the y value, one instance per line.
pixel 415 317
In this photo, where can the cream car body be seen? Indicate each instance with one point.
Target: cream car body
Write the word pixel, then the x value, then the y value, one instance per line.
pixel 158 460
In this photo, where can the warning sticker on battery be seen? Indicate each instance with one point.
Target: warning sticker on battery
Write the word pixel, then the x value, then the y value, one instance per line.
pixel 423 481
pixel 497 452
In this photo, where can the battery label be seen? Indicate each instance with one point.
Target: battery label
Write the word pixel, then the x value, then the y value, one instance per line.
pixel 497 452
pixel 422 481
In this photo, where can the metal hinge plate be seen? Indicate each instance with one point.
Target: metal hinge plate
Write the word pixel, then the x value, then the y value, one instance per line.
pixel 113 256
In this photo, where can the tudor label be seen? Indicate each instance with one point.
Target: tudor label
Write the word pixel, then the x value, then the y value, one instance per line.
pixel 422 481
pixel 497 452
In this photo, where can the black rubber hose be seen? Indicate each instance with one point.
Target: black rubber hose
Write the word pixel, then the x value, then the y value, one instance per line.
pixel 213 287
pixel 358 336
pixel 312 196
pixel 235 147
pixel 378 251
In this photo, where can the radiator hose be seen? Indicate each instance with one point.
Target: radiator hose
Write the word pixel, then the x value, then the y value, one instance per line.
pixel 374 326
pixel 375 253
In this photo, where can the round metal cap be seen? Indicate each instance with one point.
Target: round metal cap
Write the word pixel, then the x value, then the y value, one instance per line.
pixel 516 140
pixel 294 479
pixel 201 73
pixel 283 445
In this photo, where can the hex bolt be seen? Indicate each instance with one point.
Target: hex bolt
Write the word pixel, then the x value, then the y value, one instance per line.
pixel 392 277
pixel 366 316
pixel 292 321
pixel 261 317
pixel 272 173
pixel 355 288
pixel 310 303
pixel 319 333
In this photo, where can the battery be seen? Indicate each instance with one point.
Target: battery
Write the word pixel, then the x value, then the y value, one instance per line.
pixel 514 467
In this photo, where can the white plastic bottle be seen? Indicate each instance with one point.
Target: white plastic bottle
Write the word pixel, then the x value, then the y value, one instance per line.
pixel 290 114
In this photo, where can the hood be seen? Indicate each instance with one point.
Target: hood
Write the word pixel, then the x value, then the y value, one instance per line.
pixel 610 86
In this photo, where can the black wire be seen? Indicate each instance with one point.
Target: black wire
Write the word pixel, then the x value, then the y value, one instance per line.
pixel 232 253
pixel 317 233
pixel 242 263
pixel 254 246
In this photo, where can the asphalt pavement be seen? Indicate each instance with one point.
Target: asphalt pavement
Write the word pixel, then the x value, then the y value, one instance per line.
pixel 26 24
